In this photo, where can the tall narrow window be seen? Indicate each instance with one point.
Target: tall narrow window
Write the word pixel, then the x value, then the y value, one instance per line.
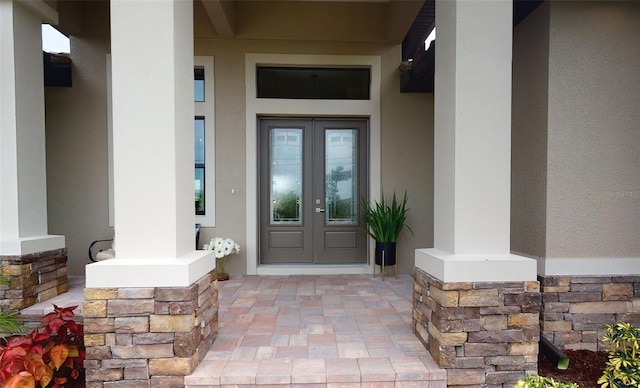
pixel 204 146
pixel 199 137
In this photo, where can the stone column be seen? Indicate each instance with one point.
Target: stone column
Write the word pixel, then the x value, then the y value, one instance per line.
pixel 33 260
pixel 483 333
pixel 151 313
pixel 465 308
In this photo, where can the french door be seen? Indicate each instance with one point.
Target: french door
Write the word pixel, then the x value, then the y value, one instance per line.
pixel 313 173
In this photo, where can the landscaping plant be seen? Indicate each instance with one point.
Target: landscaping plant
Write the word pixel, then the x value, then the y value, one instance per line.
pixel 535 381
pixel 9 323
pixel 51 356
pixel 623 366
pixel 385 220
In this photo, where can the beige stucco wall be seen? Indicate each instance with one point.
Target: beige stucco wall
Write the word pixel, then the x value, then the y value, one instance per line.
pixel 76 137
pixel 407 157
pixel 77 144
pixel 594 130
pixel 529 133
pixel 591 127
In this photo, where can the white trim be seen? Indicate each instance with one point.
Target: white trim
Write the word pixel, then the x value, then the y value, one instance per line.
pixel 207 109
pixel 448 267
pixel 582 266
pixel 311 269
pixel 336 108
pixel 112 217
pixel 28 245
pixel 145 272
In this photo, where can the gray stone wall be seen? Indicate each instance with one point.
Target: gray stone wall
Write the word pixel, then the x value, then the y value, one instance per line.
pixel 483 334
pixel 33 278
pixel 148 337
pixel 574 308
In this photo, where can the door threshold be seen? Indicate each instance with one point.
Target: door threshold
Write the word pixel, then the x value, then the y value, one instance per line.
pixel 313 269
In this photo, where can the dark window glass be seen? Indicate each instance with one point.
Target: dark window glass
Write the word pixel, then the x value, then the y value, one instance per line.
pixel 313 83
pixel 198 84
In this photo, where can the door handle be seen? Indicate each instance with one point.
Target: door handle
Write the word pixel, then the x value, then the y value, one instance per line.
pixel 319 210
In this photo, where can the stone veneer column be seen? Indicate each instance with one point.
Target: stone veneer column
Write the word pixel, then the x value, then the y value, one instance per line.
pixel 151 312
pixel 476 305
pixel 574 308
pixel 33 278
pixel 148 337
pixel 483 333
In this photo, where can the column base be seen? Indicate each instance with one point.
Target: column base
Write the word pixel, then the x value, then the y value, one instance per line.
pixel 148 336
pixel 150 272
pixel 448 267
pixel 29 245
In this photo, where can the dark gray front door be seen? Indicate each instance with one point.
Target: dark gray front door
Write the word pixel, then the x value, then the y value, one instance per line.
pixel 312 176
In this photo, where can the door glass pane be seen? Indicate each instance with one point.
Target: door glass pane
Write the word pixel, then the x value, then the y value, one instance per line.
pixel 285 150
pixel 341 192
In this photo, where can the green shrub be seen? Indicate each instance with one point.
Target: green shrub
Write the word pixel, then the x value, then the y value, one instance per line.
pixel 623 366
pixel 534 381
pixel 9 322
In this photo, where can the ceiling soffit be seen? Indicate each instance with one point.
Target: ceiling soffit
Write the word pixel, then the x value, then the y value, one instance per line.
pixel 339 21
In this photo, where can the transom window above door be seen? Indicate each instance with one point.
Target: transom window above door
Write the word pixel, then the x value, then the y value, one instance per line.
pixel 321 83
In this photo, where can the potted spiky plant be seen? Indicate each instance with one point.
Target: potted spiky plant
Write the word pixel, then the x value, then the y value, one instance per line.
pixel 384 222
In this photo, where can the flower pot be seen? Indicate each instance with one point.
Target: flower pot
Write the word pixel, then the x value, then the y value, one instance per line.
pixel 389 249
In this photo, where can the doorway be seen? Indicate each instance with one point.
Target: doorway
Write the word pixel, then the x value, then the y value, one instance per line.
pixel 313 173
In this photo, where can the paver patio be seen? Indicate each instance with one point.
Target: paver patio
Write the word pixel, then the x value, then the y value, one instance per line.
pixel 324 331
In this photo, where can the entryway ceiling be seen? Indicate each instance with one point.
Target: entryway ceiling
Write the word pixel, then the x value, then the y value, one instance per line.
pixel 364 21
pixel 320 20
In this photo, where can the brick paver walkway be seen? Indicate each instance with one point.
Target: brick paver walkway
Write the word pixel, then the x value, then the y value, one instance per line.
pixel 325 331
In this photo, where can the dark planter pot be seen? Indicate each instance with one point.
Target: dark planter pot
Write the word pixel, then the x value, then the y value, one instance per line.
pixel 389 249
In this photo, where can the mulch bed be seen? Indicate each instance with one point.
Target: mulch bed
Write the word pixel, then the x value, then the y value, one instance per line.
pixel 585 368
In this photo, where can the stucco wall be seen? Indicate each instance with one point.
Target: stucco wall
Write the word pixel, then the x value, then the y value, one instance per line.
pixel 594 130
pixel 529 133
pixel 576 131
pixel 407 157
pixel 76 132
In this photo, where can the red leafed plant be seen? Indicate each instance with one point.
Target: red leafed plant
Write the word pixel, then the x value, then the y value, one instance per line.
pixel 51 356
